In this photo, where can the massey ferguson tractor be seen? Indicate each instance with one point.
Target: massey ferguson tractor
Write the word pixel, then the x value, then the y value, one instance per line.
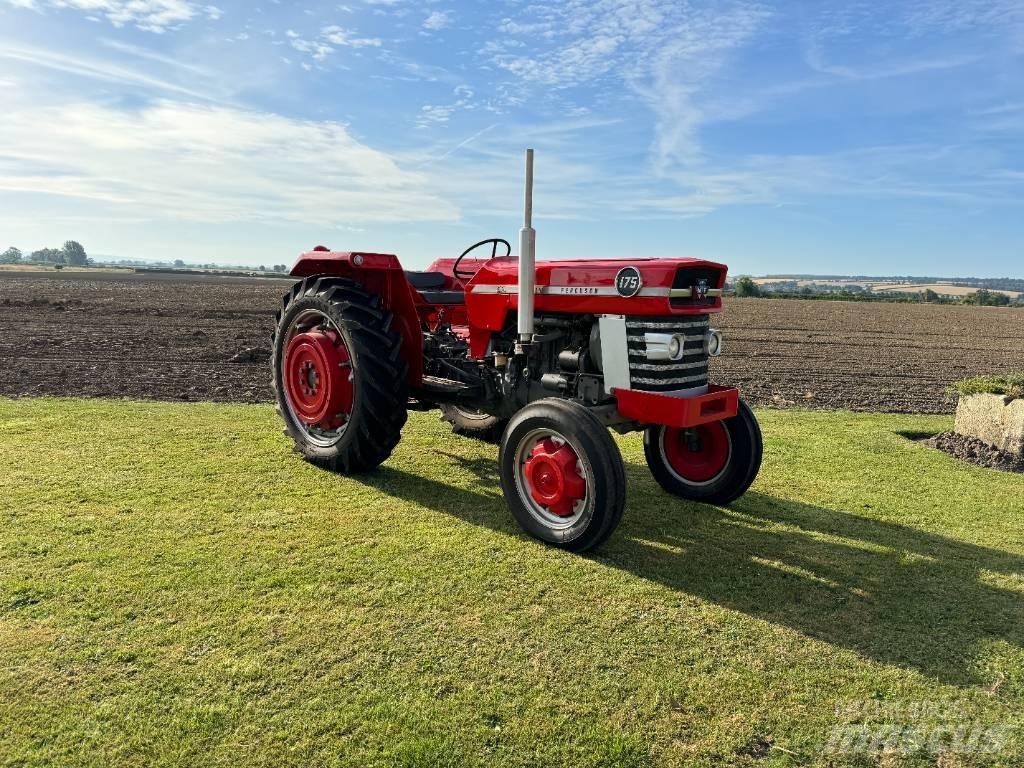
pixel 544 357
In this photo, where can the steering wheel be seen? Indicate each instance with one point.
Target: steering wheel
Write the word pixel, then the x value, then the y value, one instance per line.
pixel 494 241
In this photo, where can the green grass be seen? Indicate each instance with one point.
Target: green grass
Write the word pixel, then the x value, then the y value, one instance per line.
pixel 1011 384
pixel 178 588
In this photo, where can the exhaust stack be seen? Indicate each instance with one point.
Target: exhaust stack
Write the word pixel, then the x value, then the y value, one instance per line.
pixel 527 266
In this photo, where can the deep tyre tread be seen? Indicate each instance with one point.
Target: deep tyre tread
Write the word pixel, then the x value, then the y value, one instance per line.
pixel 744 462
pixel 602 461
pixel 380 370
pixel 480 426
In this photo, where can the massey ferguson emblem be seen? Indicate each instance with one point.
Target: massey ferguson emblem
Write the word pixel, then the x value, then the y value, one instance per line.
pixel 628 282
pixel 700 291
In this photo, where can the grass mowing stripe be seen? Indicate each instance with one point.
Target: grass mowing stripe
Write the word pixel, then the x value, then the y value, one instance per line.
pixel 177 587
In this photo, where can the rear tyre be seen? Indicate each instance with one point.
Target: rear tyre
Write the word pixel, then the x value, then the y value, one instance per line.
pixel 562 474
pixel 339 377
pixel 472 423
pixel 713 463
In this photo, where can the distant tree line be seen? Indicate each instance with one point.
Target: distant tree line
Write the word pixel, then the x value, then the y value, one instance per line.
pixel 179 264
pixel 745 286
pixel 72 254
pixel 991 283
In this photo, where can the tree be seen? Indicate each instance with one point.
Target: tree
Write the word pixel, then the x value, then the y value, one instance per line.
pixel 284 268
pixel 74 254
pixel 747 287
pixel 930 295
pixel 178 263
pixel 48 255
pixel 986 298
pixel 11 256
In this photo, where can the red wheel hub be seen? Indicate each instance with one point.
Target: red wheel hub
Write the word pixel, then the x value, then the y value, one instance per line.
pixel 700 457
pixel 553 476
pixel 318 378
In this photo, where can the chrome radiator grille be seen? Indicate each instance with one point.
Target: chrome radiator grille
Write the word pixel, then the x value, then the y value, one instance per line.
pixel 666 375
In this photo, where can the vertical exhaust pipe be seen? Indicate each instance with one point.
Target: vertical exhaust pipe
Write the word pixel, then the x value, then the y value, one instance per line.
pixel 527 266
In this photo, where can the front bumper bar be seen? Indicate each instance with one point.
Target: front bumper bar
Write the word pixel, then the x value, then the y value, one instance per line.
pixel 655 408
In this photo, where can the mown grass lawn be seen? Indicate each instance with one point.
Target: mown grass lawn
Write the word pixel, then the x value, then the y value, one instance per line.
pixel 178 588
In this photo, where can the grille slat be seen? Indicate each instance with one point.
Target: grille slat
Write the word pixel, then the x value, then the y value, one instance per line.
pixel 689 338
pixel 669 366
pixel 666 375
pixel 674 383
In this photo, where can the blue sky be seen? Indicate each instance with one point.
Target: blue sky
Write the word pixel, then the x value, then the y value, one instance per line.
pixel 850 137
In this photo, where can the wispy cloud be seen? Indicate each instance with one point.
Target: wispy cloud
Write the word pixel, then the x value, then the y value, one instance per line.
pixel 210 164
pixel 173 62
pixel 329 38
pixel 432 114
pixel 342 37
pixel 102 70
pixel 664 51
pixel 927 16
pixel 149 15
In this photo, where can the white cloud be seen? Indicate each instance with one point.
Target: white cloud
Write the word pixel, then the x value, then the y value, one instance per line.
pixel 315 48
pixel 431 114
pixel 103 71
pixel 182 162
pixel 437 20
pixel 666 52
pixel 149 15
pixel 173 62
pixel 434 114
pixel 343 37
pixel 950 15
pixel 327 40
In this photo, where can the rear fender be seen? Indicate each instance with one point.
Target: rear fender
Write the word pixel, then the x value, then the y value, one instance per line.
pixel 382 275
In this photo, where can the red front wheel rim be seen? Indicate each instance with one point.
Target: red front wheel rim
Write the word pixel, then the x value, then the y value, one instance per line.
pixel 317 378
pixel 697 456
pixel 551 478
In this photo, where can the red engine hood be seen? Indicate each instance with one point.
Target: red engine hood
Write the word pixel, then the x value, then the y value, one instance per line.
pixel 588 286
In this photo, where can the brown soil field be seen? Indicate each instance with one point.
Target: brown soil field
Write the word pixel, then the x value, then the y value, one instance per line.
pixel 173 337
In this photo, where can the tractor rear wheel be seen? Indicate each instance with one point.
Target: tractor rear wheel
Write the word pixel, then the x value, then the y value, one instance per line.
pixel 562 474
pixel 714 463
pixel 472 423
pixel 339 377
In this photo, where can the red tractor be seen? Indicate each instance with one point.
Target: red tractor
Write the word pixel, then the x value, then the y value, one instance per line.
pixel 545 357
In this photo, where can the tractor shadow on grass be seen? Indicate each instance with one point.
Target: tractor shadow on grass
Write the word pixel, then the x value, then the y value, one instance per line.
pixel 889 592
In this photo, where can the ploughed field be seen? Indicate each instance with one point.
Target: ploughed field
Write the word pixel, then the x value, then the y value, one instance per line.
pixel 190 337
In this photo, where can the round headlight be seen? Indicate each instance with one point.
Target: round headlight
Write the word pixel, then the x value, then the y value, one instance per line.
pixel 675 347
pixel 713 343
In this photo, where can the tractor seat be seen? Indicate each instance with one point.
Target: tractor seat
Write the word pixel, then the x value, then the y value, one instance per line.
pixel 443 297
pixel 426 281
pixel 431 288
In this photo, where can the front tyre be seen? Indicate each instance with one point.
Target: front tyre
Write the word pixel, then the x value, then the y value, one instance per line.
pixel 562 474
pixel 714 463
pixel 339 377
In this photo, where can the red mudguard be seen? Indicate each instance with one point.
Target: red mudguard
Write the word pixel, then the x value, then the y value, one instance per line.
pixel 655 408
